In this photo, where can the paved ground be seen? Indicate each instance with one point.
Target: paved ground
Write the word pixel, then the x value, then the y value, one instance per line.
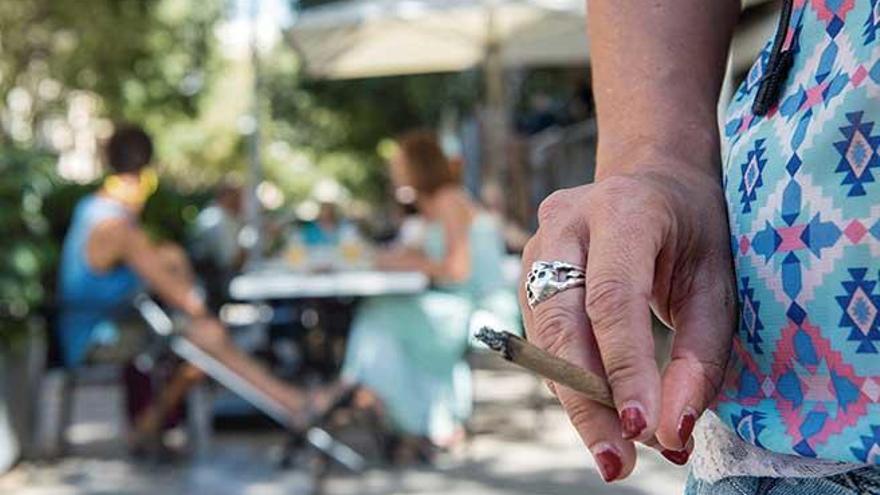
pixel 506 456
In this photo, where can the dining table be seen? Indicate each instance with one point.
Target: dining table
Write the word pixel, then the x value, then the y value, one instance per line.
pixel 277 281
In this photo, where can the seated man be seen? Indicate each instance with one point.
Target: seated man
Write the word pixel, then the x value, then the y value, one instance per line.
pixel 214 241
pixel 108 258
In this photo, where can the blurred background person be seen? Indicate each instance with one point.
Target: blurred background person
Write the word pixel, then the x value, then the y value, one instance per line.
pixel 325 229
pixel 542 113
pixel 216 251
pixel 108 258
pixel 411 232
pixel 407 352
pixel 331 240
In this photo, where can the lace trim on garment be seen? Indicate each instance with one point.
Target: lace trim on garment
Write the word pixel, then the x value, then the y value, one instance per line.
pixel 719 453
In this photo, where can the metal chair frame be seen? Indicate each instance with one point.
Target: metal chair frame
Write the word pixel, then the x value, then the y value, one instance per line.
pixel 314 436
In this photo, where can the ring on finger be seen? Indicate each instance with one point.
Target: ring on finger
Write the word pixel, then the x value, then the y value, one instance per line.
pixel 548 278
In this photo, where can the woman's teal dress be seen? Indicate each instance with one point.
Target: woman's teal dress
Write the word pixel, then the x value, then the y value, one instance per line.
pixel 409 350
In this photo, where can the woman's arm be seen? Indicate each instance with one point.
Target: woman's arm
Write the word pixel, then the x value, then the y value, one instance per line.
pixel 657 72
pixel 454 216
pixel 651 232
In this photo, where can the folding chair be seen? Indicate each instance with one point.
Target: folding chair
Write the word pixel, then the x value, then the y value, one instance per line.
pixel 314 436
pixel 56 396
pixel 56 402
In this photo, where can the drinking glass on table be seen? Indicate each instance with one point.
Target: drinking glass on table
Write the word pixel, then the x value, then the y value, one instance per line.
pixel 353 249
pixel 295 252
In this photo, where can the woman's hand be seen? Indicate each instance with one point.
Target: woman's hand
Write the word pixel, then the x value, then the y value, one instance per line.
pixel 399 259
pixel 657 239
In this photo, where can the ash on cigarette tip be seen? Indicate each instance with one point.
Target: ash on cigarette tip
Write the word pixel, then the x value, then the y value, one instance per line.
pixel 497 341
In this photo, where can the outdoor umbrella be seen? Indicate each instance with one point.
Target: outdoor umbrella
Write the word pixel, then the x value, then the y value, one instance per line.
pixel 372 38
pixel 355 39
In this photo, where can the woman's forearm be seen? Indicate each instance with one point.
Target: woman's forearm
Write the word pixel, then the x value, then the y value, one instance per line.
pixel 443 270
pixel 657 72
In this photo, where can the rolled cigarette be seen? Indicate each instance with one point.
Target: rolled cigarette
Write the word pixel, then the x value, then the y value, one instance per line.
pixel 520 352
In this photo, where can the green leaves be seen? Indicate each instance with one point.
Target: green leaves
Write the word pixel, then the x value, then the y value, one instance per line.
pixel 146 61
pixel 27 250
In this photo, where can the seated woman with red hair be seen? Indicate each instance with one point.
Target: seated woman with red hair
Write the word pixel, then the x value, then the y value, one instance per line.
pixel 408 351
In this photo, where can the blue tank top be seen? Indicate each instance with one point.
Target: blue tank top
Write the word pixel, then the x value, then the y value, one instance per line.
pixel 89 299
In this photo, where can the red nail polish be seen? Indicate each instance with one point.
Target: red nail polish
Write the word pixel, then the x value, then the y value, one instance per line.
pixel 610 465
pixel 679 457
pixel 632 422
pixel 686 427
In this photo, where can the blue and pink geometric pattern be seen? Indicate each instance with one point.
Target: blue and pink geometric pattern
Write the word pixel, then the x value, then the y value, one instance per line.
pixel 860 306
pixel 803 199
pixel 751 172
pixel 858 153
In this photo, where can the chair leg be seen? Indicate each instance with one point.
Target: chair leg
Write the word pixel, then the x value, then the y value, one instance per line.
pixel 322 442
pixel 293 445
pixel 53 414
pixel 199 418
pixel 68 404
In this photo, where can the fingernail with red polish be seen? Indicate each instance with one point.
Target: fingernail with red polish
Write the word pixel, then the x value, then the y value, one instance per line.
pixel 686 425
pixel 609 463
pixel 632 421
pixel 679 457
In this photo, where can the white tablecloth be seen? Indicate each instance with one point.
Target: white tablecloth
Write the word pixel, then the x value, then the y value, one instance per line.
pixel 275 284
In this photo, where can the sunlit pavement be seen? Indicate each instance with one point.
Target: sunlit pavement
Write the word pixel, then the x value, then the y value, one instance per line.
pixel 514 451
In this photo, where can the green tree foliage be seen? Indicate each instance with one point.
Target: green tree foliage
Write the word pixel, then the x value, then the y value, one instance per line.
pixel 338 124
pixel 146 59
pixel 25 236
pixel 151 62
pixel 156 62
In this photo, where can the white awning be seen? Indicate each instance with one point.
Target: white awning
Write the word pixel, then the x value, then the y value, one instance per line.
pixel 355 39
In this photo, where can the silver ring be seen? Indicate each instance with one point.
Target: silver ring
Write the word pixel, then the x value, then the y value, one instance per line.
pixel 548 278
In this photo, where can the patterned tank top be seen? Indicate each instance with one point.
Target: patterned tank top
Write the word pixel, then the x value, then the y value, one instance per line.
pixel 801 169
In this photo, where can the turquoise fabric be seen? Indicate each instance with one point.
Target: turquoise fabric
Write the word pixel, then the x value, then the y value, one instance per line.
pixel 315 235
pixel 409 350
pixel 88 299
pixel 804 207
